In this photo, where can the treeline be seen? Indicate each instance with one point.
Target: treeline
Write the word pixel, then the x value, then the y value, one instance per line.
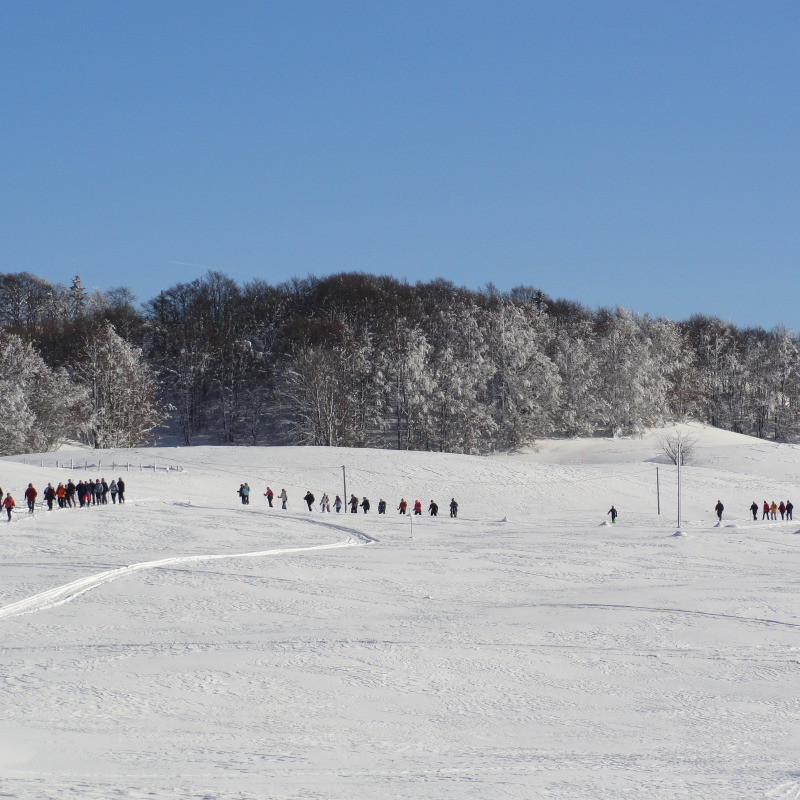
pixel 67 371
pixel 366 361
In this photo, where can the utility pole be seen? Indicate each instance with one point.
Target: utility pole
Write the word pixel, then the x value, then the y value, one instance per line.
pixel 658 493
pixel 679 484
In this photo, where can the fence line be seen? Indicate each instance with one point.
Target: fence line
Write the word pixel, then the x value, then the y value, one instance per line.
pixel 127 466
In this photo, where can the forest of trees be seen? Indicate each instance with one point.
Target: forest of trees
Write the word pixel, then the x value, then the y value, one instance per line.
pixel 364 361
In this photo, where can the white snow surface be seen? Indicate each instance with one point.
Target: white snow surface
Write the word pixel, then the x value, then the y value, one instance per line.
pixel 186 646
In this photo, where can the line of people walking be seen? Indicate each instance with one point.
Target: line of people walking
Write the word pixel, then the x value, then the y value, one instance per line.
pixel 771 510
pixel 353 502
pixel 69 495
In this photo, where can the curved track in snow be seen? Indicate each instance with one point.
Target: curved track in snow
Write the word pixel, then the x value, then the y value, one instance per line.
pixel 69 591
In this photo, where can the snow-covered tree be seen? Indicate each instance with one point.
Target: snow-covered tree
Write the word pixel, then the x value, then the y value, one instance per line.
pixel 633 387
pixel 407 384
pixel 461 419
pixel 122 390
pixel 524 385
pixel 77 297
pixel 38 406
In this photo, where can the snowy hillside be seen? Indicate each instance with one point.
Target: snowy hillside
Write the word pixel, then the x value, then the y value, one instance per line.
pixel 184 645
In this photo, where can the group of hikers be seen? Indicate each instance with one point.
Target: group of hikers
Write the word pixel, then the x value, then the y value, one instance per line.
pixel 69 495
pixel 325 503
pixel 770 510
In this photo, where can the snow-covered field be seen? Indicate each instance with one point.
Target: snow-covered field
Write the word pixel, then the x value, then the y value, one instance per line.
pixel 184 645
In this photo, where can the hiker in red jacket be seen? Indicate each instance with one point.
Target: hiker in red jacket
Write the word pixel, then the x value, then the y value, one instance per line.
pixel 30 496
pixel 417 508
pixel 8 505
pixel 402 507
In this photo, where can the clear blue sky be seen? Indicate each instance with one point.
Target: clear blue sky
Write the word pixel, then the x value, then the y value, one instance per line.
pixel 645 154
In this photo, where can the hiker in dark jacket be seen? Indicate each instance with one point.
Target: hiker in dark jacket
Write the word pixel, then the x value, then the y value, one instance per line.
pixel 433 509
pixel 381 506
pixel 453 508
pixel 789 508
pixel 365 505
pixel 353 504
pixel 754 510
pixel 70 494
pixel 719 508
pixel 309 498
pixel 50 496
pixel 120 490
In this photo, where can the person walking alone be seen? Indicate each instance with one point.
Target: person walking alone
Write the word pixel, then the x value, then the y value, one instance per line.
pixel 613 512
pixel 719 508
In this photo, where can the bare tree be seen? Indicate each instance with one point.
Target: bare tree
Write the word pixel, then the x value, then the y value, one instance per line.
pixel 679 442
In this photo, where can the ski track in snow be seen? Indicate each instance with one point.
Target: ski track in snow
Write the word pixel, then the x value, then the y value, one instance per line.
pixel 70 591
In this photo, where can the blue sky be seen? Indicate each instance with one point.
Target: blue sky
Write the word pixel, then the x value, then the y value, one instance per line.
pixel 641 154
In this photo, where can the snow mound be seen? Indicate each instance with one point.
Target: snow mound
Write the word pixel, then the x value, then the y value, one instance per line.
pixel 679 533
pixel 605 524
pixel 505 519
